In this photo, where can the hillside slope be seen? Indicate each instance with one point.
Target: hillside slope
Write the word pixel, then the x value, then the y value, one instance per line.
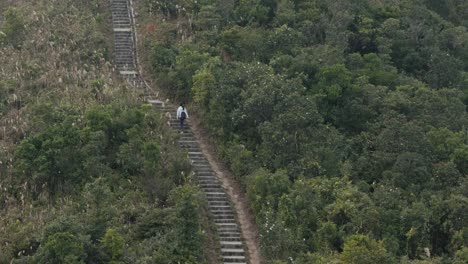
pixel 88 173
pixel 345 120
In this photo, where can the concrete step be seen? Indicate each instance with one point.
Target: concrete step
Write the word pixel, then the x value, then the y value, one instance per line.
pixel 199 162
pixel 223 214
pixel 124 60
pixel 209 183
pixel 124 44
pixel 123 34
pixel 125 66
pixel 208 180
pixel 211 186
pixel 233 259
pixel 231 244
pixel 218 217
pixel 219 203
pixel 189 145
pixel 230 239
pixel 215 194
pixel 197 158
pixel 226 224
pixel 203 168
pixel 187 132
pixel 188 141
pixel 121 23
pixel 220 208
pixel 199 170
pixel 212 189
pixel 232 251
pixel 207 176
pixel 185 141
pixel 218 199
pixel 228 229
pixel 125 56
pixel 227 221
pixel 229 235
pixel 233 230
pixel 125 48
pixel 201 165
pixel 195 153
pixel 127 53
pixel 206 173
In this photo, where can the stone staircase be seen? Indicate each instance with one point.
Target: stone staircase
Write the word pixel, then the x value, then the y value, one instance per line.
pixel 125 42
pixel 222 212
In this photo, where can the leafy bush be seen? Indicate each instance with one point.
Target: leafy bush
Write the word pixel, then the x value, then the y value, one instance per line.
pixel 13 28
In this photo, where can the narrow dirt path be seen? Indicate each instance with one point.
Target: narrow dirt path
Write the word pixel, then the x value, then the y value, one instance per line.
pixel 245 217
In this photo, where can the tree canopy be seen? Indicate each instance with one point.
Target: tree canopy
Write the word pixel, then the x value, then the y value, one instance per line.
pixel 345 120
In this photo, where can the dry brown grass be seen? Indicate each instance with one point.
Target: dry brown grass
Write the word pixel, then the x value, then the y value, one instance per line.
pixel 66 47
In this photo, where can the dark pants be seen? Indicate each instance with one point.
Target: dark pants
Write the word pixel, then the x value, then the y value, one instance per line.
pixel 181 123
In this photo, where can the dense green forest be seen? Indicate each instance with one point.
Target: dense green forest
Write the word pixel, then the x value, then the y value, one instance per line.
pixel 345 120
pixel 88 172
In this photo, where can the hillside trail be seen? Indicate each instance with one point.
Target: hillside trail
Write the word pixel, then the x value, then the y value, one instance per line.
pixel 228 206
pixel 245 216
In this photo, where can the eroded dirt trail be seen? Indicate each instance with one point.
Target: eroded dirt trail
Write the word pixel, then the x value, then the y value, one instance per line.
pixel 238 198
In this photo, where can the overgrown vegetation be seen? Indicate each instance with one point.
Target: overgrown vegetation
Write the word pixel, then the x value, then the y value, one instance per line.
pixel 88 174
pixel 346 120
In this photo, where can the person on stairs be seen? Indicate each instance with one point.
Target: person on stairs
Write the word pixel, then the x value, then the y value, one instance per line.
pixel 182 115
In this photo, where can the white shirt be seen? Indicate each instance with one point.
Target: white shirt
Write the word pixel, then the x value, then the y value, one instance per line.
pixel 180 110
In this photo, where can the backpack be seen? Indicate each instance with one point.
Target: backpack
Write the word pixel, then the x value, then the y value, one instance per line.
pixel 183 115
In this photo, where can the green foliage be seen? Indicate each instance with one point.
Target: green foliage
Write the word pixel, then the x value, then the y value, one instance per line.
pixel 240 159
pixel 203 82
pixel 187 203
pixel 95 159
pixel 333 81
pixel 13 28
pixel 113 244
pixel 250 11
pixel 82 163
pixel 362 249
pixel 52 158
pixel 265 189
pixel 187 62
pixel 345 121
pixel 63 248
pixel 163 58
pixel 244 44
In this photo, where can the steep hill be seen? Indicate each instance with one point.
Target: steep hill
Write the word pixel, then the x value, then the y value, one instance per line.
pixel 345 120
pixel 88 172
